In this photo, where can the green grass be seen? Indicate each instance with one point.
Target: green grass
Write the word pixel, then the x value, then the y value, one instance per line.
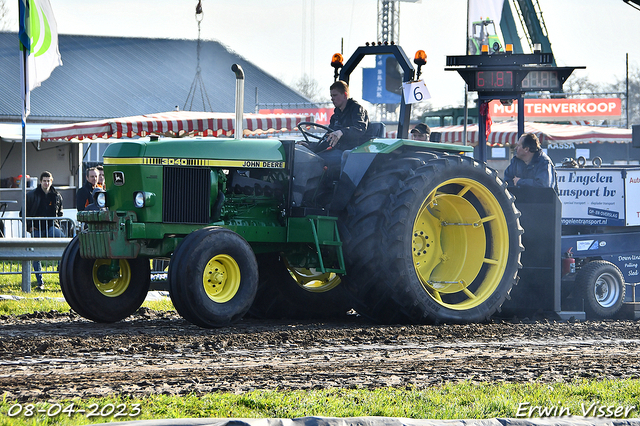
pixel 51 299
pixel 450 401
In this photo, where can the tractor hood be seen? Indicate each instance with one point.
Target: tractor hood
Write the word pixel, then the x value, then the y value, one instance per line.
pixel 252 153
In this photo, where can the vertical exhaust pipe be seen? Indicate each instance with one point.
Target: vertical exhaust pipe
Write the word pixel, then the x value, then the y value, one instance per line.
pixel 238 130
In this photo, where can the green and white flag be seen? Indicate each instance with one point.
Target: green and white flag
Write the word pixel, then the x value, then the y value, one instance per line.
pixel 38 45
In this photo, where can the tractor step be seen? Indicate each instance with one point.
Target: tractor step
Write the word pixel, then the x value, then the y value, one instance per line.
pixel 325 234
pixel 331 243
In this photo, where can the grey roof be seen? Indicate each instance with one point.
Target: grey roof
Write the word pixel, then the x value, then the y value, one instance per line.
pixel 105 77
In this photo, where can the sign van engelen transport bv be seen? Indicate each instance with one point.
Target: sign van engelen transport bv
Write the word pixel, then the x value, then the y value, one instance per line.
pixel 559 109
pixel 599 196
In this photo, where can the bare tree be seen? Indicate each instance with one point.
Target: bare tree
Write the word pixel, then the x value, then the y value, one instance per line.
pixel 633 103
pixel 582 85
pixel 310 89
pixel 418 110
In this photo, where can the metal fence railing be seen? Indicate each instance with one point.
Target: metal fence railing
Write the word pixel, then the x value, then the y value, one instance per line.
pixel 47 237
pixel 46 240
pixel 39 227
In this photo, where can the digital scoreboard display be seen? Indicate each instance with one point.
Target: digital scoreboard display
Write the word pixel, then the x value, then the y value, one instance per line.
pixel 504 75
pixel 541 80
pixel 502 80
pixel 494 80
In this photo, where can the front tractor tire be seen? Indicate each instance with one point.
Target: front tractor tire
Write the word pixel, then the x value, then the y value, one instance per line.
pixel 213 277
pixel 449 248
pixel 602 286
pixel 97 291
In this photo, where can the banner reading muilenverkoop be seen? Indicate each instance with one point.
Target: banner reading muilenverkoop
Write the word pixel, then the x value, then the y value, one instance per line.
pixel 560 109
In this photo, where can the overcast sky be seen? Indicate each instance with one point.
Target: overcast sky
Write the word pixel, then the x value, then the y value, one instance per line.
pixel 288 38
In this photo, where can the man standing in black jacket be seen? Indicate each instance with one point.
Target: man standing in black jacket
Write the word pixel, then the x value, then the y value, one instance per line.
pixel 44 202
pixel 84 196
pixel 349 122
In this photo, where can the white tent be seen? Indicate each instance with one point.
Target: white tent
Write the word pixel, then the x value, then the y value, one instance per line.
pixel 174 123
pixel 506 133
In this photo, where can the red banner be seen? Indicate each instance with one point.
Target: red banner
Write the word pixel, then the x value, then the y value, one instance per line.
pixel 322 115
pixel 559 109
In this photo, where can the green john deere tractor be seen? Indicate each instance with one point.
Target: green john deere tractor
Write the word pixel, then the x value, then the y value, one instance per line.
pixel 414 232
pixel 483 32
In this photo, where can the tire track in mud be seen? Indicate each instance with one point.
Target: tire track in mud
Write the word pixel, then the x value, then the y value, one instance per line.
pixel 55 356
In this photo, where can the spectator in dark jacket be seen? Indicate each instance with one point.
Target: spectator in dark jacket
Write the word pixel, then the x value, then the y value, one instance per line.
pixel 44 202
pixel 84 196
pixel 530 166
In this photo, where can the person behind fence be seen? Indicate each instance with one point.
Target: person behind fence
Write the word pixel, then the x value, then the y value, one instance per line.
pixel 44 202
pixel 84 196
pixel 530 166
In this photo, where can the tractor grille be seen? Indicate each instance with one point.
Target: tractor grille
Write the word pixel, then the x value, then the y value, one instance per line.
pixel 186 195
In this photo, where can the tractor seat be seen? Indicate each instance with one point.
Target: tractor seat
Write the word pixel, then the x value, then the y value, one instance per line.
pixel 376 130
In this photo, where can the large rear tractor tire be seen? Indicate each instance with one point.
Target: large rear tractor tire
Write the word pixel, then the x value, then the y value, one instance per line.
pixel 361 231
pixel 602 286
pixel 96 292
pixel 286 292
pixel 213 277
pixel 448 248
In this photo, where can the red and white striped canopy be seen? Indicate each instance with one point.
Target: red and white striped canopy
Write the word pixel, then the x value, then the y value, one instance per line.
pixel 506 133
pixel 175 123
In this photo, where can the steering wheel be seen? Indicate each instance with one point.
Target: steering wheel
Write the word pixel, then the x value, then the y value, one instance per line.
pixel 321 140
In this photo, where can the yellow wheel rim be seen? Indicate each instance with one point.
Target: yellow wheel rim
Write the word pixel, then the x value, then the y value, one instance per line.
pixel 313 280
pixel 460 244
pixel 115 286
pixel 221 278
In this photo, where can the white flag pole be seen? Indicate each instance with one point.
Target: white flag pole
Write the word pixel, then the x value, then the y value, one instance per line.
pixel 38 35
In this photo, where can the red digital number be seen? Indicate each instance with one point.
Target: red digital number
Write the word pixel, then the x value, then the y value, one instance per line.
pixel 494 80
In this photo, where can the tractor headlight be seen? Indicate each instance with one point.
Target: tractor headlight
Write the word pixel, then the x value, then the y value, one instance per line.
pixel 101 199
pixel 138 199
pixel 144 199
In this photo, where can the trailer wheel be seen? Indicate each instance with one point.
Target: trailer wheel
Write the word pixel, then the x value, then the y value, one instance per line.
pixel 213 277
pixel 96 292
pixel 450 246
pixel 602 285
pixel 285 292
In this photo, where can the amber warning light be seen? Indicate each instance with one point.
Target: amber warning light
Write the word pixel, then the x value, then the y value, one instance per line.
pixel 420 59
pixel 336 60
pixel 336 63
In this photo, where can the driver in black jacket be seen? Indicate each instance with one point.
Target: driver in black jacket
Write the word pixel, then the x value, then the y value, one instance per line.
pixel 349 122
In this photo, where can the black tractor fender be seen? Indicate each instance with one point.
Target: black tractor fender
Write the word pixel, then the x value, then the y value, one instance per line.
pixel 355 167
pixel 357 163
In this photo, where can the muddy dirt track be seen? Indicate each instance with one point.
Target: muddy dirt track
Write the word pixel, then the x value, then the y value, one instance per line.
pixel 58 356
